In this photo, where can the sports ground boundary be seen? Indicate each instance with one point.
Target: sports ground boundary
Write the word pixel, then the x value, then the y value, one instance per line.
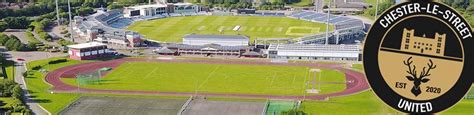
pixel 356 81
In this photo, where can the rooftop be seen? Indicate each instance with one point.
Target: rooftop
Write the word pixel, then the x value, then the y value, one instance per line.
pixel 206 36
pixel 314 47
pixel 86 45
pixel 147 6
pixel 210 46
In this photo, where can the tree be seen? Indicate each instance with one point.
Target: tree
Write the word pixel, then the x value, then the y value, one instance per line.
pixel 3 39
pixel 6 87
pixel 382 7
pixel 17 22
pixel 31 46
pixel 14 44
pixel 45 36
pixel 18 105
pixel 9 44
pixel 470 10
pixel 3 26
pixel 17 92
pixel 63 42
pixel 85 11
pixel 293 112
pixel 45 22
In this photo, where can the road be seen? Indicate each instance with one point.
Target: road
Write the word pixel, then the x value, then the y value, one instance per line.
pixel 35 107
pixel 20 69
pixel 19 33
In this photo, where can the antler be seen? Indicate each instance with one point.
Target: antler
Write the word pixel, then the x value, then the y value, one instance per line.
pixel 426 73
pixel 410 71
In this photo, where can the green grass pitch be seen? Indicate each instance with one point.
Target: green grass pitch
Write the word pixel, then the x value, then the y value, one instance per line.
pixel 173 29
pixel 362 103
pixel 214 78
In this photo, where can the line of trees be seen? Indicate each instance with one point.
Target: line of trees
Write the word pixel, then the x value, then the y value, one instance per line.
pixel 465 7
pixel 42 7
pixel 33 10
pixel 9 88
pixel 382 7
pixel 16 22
pixel 12 43
pixel 235 4
pixel 40 26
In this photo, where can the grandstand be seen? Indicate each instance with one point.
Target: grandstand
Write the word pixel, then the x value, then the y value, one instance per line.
pixel 344 27
pixel 105 27
pixel 109 26
pixel 163 9
pixel 313 52
pixel 269 13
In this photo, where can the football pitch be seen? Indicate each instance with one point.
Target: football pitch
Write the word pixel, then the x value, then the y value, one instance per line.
pixel 91 105
pixel 173 29
pixel 216 78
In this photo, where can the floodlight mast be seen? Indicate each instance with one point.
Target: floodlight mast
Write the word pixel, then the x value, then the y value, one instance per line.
pixel 376 9
pixel 327 23
pixel 70 21
pixel 57 13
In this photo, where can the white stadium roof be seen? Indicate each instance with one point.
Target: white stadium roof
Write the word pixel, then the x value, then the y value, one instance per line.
pixel 314 47
pixel 315 50
pixel 216 37
pixel 147 6
pixel 86 45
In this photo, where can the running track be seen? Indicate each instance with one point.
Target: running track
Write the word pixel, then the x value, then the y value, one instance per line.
pixel 356 81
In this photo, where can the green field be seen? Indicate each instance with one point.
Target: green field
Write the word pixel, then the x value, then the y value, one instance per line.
pixel 358 67
pixel 39 89
pixel 214 78
pixel 173 29
pixel 362 103
pixel 367 103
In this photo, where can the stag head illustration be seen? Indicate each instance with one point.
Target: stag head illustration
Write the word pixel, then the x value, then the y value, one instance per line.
pixel 413 75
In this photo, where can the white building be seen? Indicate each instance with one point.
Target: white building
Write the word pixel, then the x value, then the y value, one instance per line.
pixel 314 52
pixel 87 51
pixel 160 9
pixel 223 40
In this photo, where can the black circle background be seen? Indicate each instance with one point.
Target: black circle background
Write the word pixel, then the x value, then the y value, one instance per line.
pixel 420 24
pixel 383 91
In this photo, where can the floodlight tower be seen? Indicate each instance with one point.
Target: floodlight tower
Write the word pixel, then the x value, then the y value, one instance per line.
pixel 70 20
pixel 376 9
pixel 327 23
pixel 57 13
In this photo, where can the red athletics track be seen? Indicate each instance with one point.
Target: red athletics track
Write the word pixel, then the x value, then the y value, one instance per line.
pixel 356 81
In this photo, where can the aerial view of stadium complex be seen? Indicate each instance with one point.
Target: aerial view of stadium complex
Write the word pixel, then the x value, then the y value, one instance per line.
pixel 191 57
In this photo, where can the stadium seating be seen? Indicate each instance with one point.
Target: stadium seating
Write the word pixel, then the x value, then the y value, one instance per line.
pixel 340 22
pixel 299 15
pixel 266 13
pixel 121 23
pixel 109 17
pixel 338 19
pixel 352 23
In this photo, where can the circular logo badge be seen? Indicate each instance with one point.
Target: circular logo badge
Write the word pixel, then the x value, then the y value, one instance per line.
pixel 418 57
